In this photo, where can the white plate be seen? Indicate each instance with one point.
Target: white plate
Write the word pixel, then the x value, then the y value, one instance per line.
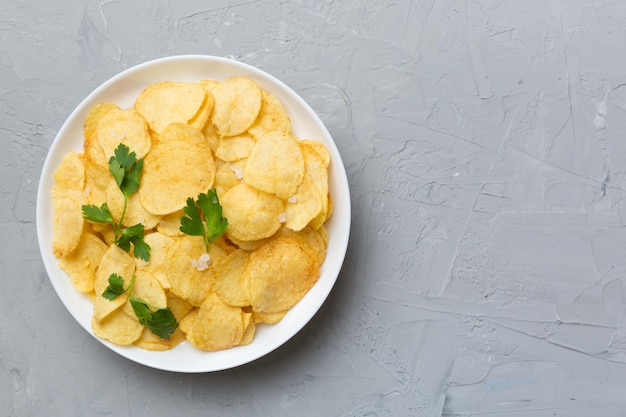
pixel 122 90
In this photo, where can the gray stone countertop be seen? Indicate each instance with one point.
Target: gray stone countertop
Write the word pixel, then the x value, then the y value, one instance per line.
pixel 485 147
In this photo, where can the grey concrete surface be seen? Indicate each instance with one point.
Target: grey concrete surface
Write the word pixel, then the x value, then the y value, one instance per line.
pixel 485 144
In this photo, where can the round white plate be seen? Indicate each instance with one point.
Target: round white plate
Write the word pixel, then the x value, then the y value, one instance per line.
pixel 122 90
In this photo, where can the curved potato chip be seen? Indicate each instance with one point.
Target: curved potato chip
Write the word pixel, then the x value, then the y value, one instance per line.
pixel 82 263
pixel 173 172
pixel 279 274
pixel 275 164
pixel 203 114
pixel 320 149
pixel 167 102
pixel 70 174
pixel 216 326
pixel 150 341
pixel 147 288
pixel 252 214
pixel 181 131
pixel 97 179
pixel 208 85
pixel 117 328
pixel 229 285
pixel 250 330
pixel 226 177
pixel 234 148
pixel 268 318
pixel 159 244
pixel 114 261
pixel 272 116
pixel 184 277
pixel 237 104
pixel 122 126
pixel 93 150
pixel 135 212
pixel 67 220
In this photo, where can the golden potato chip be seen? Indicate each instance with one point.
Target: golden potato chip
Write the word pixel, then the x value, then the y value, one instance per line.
pixel 181 131
pixel 174 171
pixel 234 148
pixel 324 215
pixel 190 276
pixel 167 102
pixel 229 284
pixel 211 136
pixel 122 126
pixel 114 261
pixel 81 264
pixel 317 170
pixel 208 85
pixel 237 104
pixel 179 306
pixel 135 212
pixel 117 327
pixel 150 341
pixel 170 224
pixel 70 174
pixel 250 330
pixel 203 114
pixel 159 244
pixel 320 149
pixel 147 288
pixel 307 202
pixel 268 318
pixel 272 116
pixel 309 240
pixel 228 175
pixel 93 150
pixel 216 326
pixel 279 274
pixel 97 179
pixel 252 214
pixel 275 164
pixel 67 220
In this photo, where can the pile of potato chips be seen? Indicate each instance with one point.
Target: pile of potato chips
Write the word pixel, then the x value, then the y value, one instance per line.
pixel 229 135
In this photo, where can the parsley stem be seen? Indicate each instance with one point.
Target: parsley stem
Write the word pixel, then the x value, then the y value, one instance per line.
pixel 120 224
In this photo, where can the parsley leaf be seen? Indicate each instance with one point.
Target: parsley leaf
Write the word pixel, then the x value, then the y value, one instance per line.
pixel 97 214
pixel 116 287
pixel 209 209
pixel 126 170
pixel 161 322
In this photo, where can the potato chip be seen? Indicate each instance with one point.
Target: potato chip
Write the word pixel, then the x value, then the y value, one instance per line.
pixel 250 330
pixel 170 224
pixel 114 261
pixel 320 149
pixel 167 102
pixel 122 126
pixel 272 116
pixel 146 288
pixel 92 148
pixel 275 165
pixel 82 263
pixel 203 114
pixel 268 318
pixel 307 202
pixel 211 136
pixel 216 326
pixel 186 279
pixel 117 328
pixel 70 174
pixel 67 220
pixel 208 85
pixel 181 131
pixel 229 283
pixel 252 214
pixel 150 341
pixel 237 104
pixel 97 179
pixel 135 212
pixel 227 176
pixel 309 240
pixel 279 274
pixel 159 244
pixel 174 171
pixel 234 148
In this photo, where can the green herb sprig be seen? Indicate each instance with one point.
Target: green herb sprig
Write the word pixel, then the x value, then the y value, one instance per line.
pixel 126 171
pixel 204 218
pixel 160 321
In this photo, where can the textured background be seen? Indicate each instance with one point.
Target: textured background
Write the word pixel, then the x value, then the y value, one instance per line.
pixel 485 146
